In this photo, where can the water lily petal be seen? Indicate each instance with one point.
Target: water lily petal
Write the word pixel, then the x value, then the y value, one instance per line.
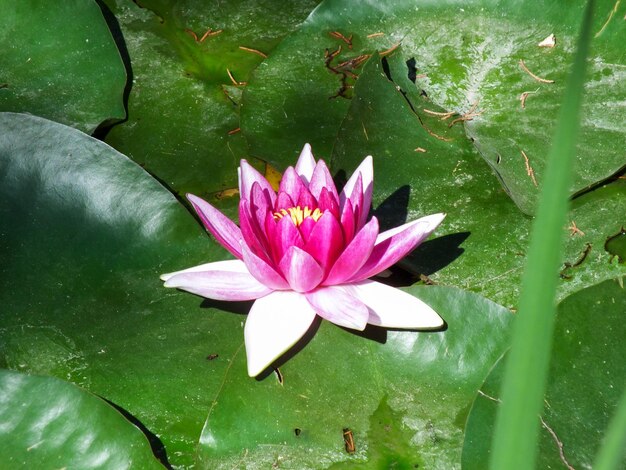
pixel 258 200
pixel 306 163
pixel 325 242
pixel 283 201
pixel 337 305
pixel 306 199
pixel 224 280
pixel 366 172
pixel 393 308
pixel 301 270
pixel 328 202
pixel 322 179
pixel 282 234
pixel 355 255
pixel 394 244
pixel 248 175
pixel 263 271
pixel 221 227
pixel 348 221
pixel 291 183
pixel 253 235
pixel 306 227
pixel 275 323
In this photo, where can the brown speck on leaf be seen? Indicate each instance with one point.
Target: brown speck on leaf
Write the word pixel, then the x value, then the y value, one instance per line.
pixel 443 115
pixel 575 230
pixel 420 150
pixel 524 95
pixel 389 51
pixel 525 69
pixel 468 116
pixel 375 35
pixel 212 357
pixel 232 79
pixel 529 169
pixel 254 51
pixel 338 35
pixel 209 32
pixel 348 440
pixel 234 131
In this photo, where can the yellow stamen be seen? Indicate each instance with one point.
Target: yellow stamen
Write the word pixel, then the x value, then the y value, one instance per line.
pixel 298 214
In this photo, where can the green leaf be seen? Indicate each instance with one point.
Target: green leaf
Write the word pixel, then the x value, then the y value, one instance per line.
pixel 481 244
pixel 84 235
pixel 614 442
pixel 60 61
pixel 183 105
pixel 466 59
pixel 403 395
pixel 585 381
pixel 516 433
pixel 48 423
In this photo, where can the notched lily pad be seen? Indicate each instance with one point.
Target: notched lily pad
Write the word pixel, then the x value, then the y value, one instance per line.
pixel 59 61
pixel 589 325
pixel 48 423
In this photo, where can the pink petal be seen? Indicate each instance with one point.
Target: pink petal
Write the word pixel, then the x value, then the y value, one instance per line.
pixel 322 179
pixel 366 170
pixel 253 235
pixel 394 308
pixel 394 244
pixel 275 323
pixel 258 199
pixel 337 305
pixel 281 235
pixel 291 183
pixel 325 242
pixel 247 177
pixel 328 202
pixel 306 164
pixel 283 201
pixel 224 280
pixel 347 221
pixel 262 271
pixel 221 227
pixel 306 227
pixel 306 199
pixel 301 270
pixel 355 255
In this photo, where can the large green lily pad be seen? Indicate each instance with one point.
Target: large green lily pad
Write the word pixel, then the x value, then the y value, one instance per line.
pixel 59 61
pixel 465 59
pixel 183 106
pixel 586 379
pixel 483 238
pixel 48 423
pixel 403 396
pixel 84 235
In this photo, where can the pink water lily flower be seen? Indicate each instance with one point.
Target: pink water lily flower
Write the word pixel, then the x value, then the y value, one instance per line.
pixel 306 251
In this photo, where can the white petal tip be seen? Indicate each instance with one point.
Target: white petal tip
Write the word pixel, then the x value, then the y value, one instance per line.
pixel 165 277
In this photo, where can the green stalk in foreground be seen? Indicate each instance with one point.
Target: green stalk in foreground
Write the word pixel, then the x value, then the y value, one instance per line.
pixel 517 424
pixel 612 450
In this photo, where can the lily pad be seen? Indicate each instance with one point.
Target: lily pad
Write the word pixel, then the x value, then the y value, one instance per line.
pixel 588 331
pixel 482 241
pixel 59 61
pixel 466 60
pixel 403 396
pixel 48 423
pixel 84 235
pixel 188 69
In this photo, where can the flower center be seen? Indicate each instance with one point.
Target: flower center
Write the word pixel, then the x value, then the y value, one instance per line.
pixel 298 214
